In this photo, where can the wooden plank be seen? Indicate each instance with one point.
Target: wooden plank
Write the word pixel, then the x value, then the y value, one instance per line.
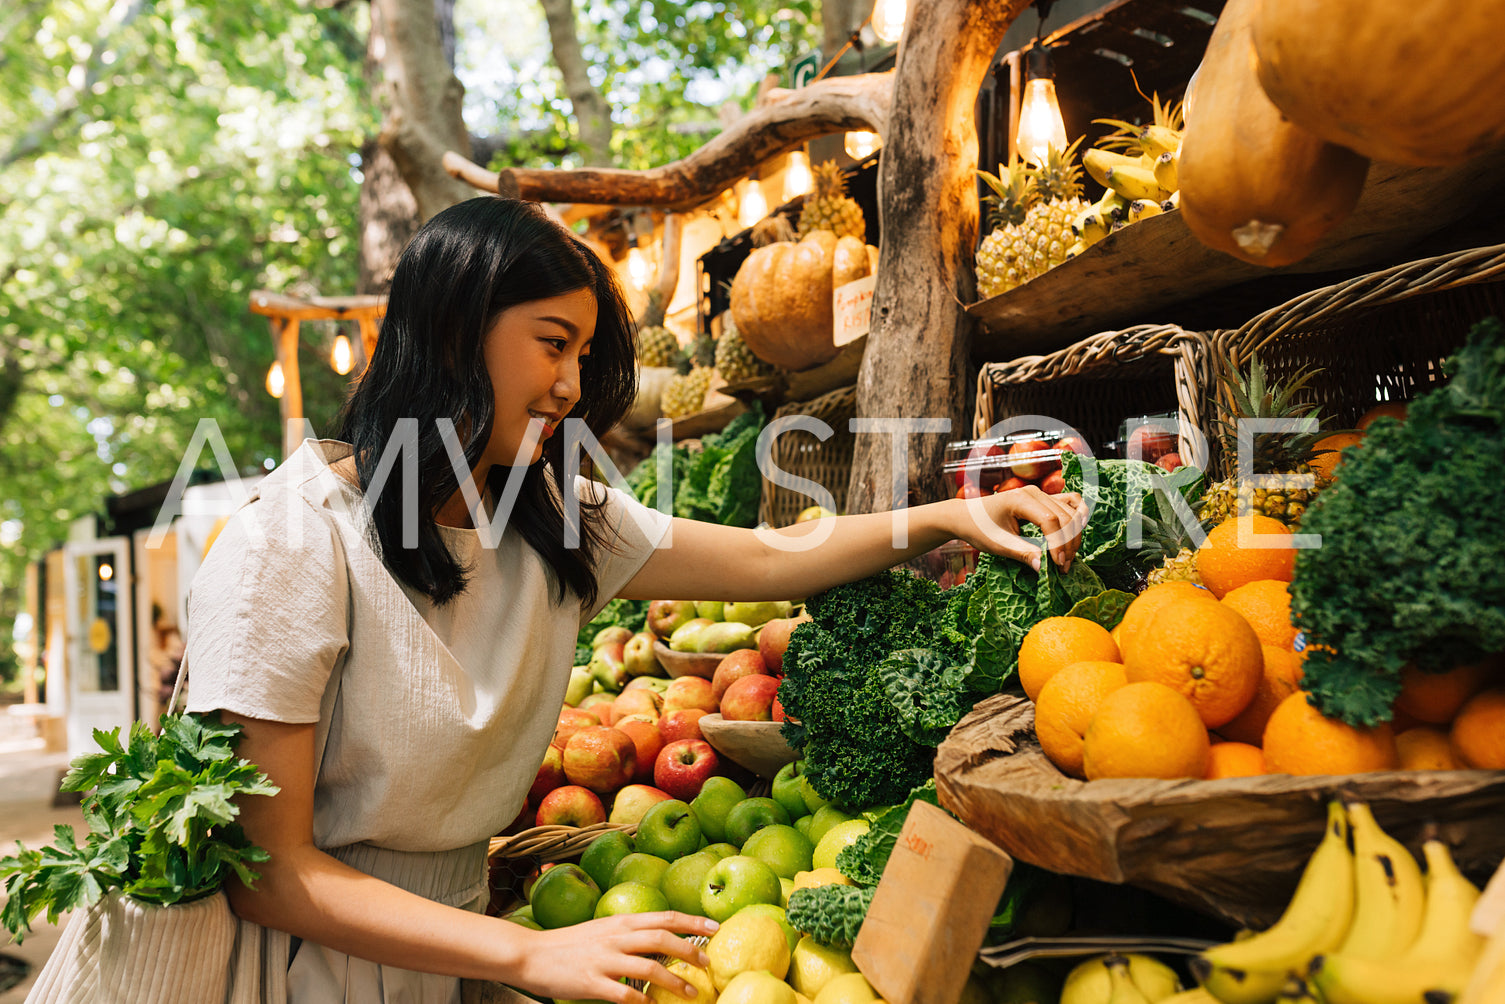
pixel 931 910
pixel 1156 263
pixel 318 308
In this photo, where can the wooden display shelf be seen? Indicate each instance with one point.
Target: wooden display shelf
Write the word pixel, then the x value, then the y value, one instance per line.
pixel 1157 263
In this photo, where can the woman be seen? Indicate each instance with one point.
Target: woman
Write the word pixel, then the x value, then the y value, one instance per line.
pixel 396 662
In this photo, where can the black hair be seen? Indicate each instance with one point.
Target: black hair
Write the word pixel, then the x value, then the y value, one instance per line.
pixel 463 268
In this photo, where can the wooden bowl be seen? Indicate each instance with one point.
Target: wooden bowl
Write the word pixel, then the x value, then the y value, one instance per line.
pixel 678 664
pixel 758 746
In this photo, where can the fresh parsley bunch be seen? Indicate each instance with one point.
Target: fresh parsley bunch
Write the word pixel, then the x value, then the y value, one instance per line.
pixel 162 824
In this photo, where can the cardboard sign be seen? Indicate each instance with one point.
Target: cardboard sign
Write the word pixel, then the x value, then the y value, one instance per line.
pixel 931 910
pixel 852 305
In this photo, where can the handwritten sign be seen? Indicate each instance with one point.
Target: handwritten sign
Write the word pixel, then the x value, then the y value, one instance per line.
pixel 852 305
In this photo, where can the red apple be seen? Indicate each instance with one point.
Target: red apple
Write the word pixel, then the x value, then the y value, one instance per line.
pixel 979 469
pixel 1169 461
pixel 1073 443
pixel 666 615
pixel 683 766
pixel 1034 469
pixel 773 640
pixel 743 662
pixel 550 775
pixel 1010 484
pixel 634 800
pixel 572 720
pixel 778 710
pixel 690 692
pixel 600 758
pixel 646 742
pixel 678 725
pixel 599 704
pixel 750 699
pixel 1054 483
pixel 969 491
pixel 1150 442
pixel 641 701
pixel 571 805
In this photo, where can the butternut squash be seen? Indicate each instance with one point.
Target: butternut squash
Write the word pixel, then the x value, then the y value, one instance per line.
pixel 1252 183
pixel 781 297
pixel 1409 81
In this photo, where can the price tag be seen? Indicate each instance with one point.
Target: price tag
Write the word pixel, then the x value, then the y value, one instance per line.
pixel 852 305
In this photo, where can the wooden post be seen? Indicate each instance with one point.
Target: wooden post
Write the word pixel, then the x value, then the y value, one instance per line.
pixel 285 333
pixel 917 354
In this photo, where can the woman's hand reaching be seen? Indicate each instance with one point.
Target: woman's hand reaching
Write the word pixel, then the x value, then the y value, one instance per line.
pixel 588 961
pixel 991 523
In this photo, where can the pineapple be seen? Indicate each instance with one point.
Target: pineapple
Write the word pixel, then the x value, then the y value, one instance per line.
pixel 734 360
pixel 829 208
pixel 1033 215
pixel 999 254
pixel 1167 551
pixel 657 345
pixel 686 392
pixel 1274 453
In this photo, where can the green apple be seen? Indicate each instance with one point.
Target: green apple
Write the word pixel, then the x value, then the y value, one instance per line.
pixel 721 850
pixel 630 897
pixel 779 917
pixel 814 800
pixel 782 847
pixel 639 867
pixel 802 823
pixel 683 879
pixel 600 859
pixel 787 790
pixel 717 796
pixel 669 829
pixel 579 687
pixel 823 820
pixel 736 882
pixel 750 815
pixel 710 609
pixel 757 614
pixel 564 895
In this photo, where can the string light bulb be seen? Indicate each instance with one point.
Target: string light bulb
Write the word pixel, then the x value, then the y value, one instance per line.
pixel 1040 124
pixel 861 144
pixel 797 178
pixel 639 271
pixel 106 572
pixel 888 19
pixel 754 206
pixel 275 381
pixel 341 357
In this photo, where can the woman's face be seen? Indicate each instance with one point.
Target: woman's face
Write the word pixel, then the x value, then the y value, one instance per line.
pixel 533 354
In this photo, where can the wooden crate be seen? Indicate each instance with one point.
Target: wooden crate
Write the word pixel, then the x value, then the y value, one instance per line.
pixel 1098 382
pixel 826 462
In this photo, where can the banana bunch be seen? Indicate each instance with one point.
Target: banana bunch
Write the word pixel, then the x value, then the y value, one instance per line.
pixel 1122 979
pixel 1138 166
pixel 1363 927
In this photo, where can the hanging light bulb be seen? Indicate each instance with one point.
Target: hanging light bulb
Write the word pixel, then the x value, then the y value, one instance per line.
pixel 888 19
pixel 1040 122
pixel 754 206
pixel 861 144
pixel 797 175
pixel 341 358
pixel 639 271
pixel 275 382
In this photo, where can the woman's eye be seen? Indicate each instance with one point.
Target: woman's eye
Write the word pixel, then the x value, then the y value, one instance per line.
pixel 557 343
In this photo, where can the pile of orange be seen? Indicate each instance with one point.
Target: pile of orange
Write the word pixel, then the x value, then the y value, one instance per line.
pixel 1453 720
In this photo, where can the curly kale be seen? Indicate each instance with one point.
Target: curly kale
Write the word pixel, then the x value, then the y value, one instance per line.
pixel 1411 567
pixel 831 914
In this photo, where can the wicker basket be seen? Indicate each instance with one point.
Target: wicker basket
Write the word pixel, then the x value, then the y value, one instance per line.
pixel 1101 380
pixel 1378 337
pixel 827 463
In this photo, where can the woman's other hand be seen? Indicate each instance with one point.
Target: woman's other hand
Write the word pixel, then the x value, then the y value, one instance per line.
pixel 991 523
pixel 588 961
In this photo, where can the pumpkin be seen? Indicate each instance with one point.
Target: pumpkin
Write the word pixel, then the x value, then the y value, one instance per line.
pixel 1409 81
pixel 1252 183
pixel 781 297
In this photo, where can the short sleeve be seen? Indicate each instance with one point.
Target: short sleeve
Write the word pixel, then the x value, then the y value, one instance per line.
pixel 268 613
pixel 633 531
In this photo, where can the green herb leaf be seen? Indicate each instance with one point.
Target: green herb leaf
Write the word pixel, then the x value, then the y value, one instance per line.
pixel 1106 608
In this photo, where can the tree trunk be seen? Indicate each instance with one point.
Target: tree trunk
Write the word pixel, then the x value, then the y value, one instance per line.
pixel 388 218
pixel 916 361
pixel 421 101
pixel 592 113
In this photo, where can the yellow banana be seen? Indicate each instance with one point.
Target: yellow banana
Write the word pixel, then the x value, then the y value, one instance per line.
pixel 1435 967
pixel 1315 920
pixel 1240 986
pixel 1112 207
pixel 1076 249
pixel 1099 162
pixel 1297 991
pixel 1135 182
pixel 1487 985
pixel 1166 168
pixel 1389 893
pixel 1196 995
pixel 1142 208
pixel 1089 225
pixel 1122 988
pixel 1158 139
pixel 1174 202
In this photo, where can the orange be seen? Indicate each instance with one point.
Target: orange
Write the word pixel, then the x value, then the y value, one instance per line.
pixel 1206 652
pixel 1326 458
pixel 1396 410
pixel 1145 730
pixel 1234 760
pixel 1425 748
pixel 1435 698
pixel 1057 642
pixel 1478 735
pixel 1225 563
pixel 1065 708
pixel 1149 601
pixel 1266 605
pixel 1299 739
pixel 1281 678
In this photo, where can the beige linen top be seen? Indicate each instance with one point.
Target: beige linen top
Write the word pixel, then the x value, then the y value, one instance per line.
pixel 433 721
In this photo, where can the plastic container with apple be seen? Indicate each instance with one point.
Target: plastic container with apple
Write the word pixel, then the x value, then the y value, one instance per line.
pixel 1150 438
pixel 978 466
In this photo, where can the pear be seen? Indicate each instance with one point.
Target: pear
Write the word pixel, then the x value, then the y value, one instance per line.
pixel 683 638
pixel 710 609
pixel 723 636
pixel 579 687
pixel 758 613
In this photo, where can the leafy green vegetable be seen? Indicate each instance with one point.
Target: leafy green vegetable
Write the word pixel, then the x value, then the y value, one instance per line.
pixel 864 859
pixel 630 614
pixel 719 483
pixel 831 914
pixel 1115 491
pixel 1106 608
pixel 162 824
pixel 1412 550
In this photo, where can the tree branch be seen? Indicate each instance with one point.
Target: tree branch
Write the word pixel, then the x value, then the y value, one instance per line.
pixel 592 113
pixel 787 120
